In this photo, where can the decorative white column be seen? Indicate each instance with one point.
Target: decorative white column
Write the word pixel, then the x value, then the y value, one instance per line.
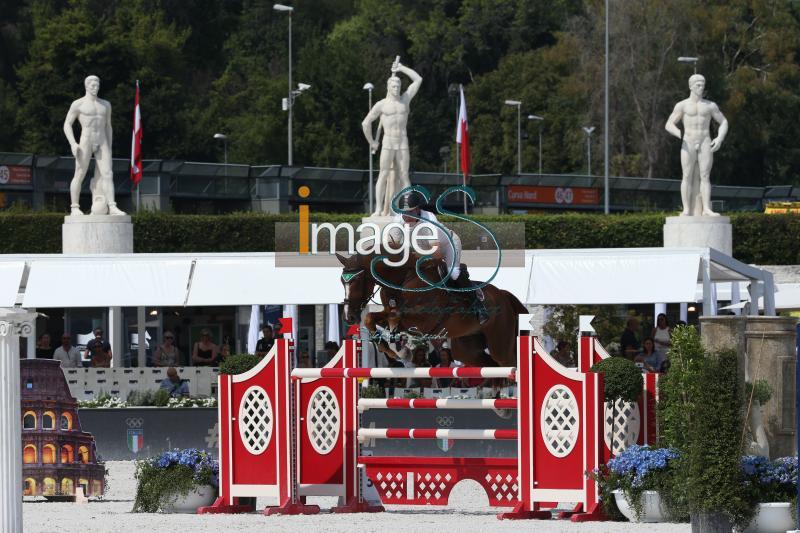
pixel 13 324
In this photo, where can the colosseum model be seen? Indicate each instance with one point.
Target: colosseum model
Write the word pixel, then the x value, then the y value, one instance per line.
pixel 57 457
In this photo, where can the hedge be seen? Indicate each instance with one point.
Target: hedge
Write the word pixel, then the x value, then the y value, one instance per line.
pixel 757 238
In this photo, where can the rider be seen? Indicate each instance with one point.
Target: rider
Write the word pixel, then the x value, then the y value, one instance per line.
pixel 449 252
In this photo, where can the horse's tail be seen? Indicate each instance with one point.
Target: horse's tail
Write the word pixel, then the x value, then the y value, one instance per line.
pixel 516 304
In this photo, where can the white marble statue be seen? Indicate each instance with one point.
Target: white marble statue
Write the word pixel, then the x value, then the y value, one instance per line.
pixel 94 115
pixel 697 149
pixel 393 113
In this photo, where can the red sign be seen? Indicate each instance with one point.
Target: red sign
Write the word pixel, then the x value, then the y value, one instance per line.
pixel 528 194
pixel 15 175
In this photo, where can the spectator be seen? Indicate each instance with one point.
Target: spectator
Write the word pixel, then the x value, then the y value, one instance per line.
pixel 419 359
pixel 304 361
pixel 445 361
pixel 174 385
pixel 167 354
pixel 43 348
pixel 204 351
pixel 651 359
pixel 563 354
pixel 69 355
pixel 629 343
pixel 99 350
pixel 332 348
pixel 661 334
pixel 265 343
pixel 225 349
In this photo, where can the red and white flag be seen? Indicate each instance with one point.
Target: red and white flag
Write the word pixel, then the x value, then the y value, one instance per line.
pixel 136 141
pixel 462 135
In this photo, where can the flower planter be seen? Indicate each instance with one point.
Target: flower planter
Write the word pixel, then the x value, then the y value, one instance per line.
pixel 201 496
pixel 651 507
pixel 772 518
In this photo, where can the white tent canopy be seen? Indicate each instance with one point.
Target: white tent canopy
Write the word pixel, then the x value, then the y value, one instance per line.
pixel 595 276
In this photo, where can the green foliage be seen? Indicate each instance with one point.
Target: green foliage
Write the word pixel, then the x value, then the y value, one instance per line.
pixel 760 239
pixel 172 474
pixel 622 380
pixel 563 322
pixel 160 398
pixel 373 391
pixel 760 391
pixel 238 363
pixel 678 388
pixel 715 477
pixel 209 66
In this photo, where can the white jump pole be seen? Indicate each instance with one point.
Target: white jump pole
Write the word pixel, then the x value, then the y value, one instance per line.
pixel 13 324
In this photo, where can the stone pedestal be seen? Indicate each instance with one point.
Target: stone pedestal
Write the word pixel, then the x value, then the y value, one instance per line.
pixel 701 232
pixel 766 348
pixel 13 324
pixel 771 356
pixel 97 234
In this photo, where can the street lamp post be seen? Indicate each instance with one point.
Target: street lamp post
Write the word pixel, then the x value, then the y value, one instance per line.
pixel 519 132
pixel 444 153
pixel 224 138
pixel 588 130
pixel 691 60
pixel 606 199
pixel 289 10
pixel 540 120
pixel 369 87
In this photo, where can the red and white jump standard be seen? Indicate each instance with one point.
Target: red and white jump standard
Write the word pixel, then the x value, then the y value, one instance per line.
pixel 290 434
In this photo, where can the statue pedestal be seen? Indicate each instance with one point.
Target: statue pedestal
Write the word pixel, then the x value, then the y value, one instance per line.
pixel 700 232
pixel 97 234
pixel 380 221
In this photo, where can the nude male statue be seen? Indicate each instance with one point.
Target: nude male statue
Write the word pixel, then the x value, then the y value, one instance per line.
pixel 697 149
pixel 94 115
pixel 393 113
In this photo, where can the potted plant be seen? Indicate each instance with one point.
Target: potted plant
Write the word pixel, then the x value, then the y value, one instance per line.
pixel 772 488
pixel 177 481
pixel 635 478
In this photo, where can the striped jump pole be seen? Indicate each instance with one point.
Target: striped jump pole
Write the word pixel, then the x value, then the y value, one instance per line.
pixel 506 372
pixel 434 403
pixel 455 434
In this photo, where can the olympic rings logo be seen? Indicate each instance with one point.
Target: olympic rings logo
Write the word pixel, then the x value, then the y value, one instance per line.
pixel 134 422
pixel 445 421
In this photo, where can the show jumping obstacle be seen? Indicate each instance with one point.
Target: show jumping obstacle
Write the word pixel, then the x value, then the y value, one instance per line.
pixel 290 434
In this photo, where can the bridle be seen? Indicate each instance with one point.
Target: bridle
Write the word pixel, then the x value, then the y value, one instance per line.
pixel 348 276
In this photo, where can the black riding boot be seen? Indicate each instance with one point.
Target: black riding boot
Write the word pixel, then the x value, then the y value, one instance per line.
pixel 475 295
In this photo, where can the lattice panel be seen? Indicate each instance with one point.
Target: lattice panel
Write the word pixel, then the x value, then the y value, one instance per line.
pixel 560 421
pixel 391 485
pixel 626 427
pixel 433 487
pixel 323 420
pixel 255 420
pixel 501 487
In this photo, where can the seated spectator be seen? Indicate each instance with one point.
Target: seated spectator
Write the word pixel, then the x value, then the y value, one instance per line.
pixel 104 354
pixel 204 351
pixel 68 354
pixel 174 385
pixel 563 354
pixel 304 361
pixel 650 358
pixel 225 349
pixel 419 359
pixel 167 354
pixel 43 348
pixel 265 343
pixel 629 343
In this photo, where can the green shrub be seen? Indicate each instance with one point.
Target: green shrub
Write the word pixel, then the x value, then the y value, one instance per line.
pixel 715 476
pixel 373 391
pixel 238 363
pixel 622 380
pixel 760 391
pixel 758 238
pixel 160 398
pixel 173 473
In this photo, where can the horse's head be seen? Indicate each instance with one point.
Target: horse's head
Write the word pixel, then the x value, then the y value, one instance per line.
pixel 358 285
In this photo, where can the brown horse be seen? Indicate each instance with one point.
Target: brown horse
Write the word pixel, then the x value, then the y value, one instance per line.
pixel 433 312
